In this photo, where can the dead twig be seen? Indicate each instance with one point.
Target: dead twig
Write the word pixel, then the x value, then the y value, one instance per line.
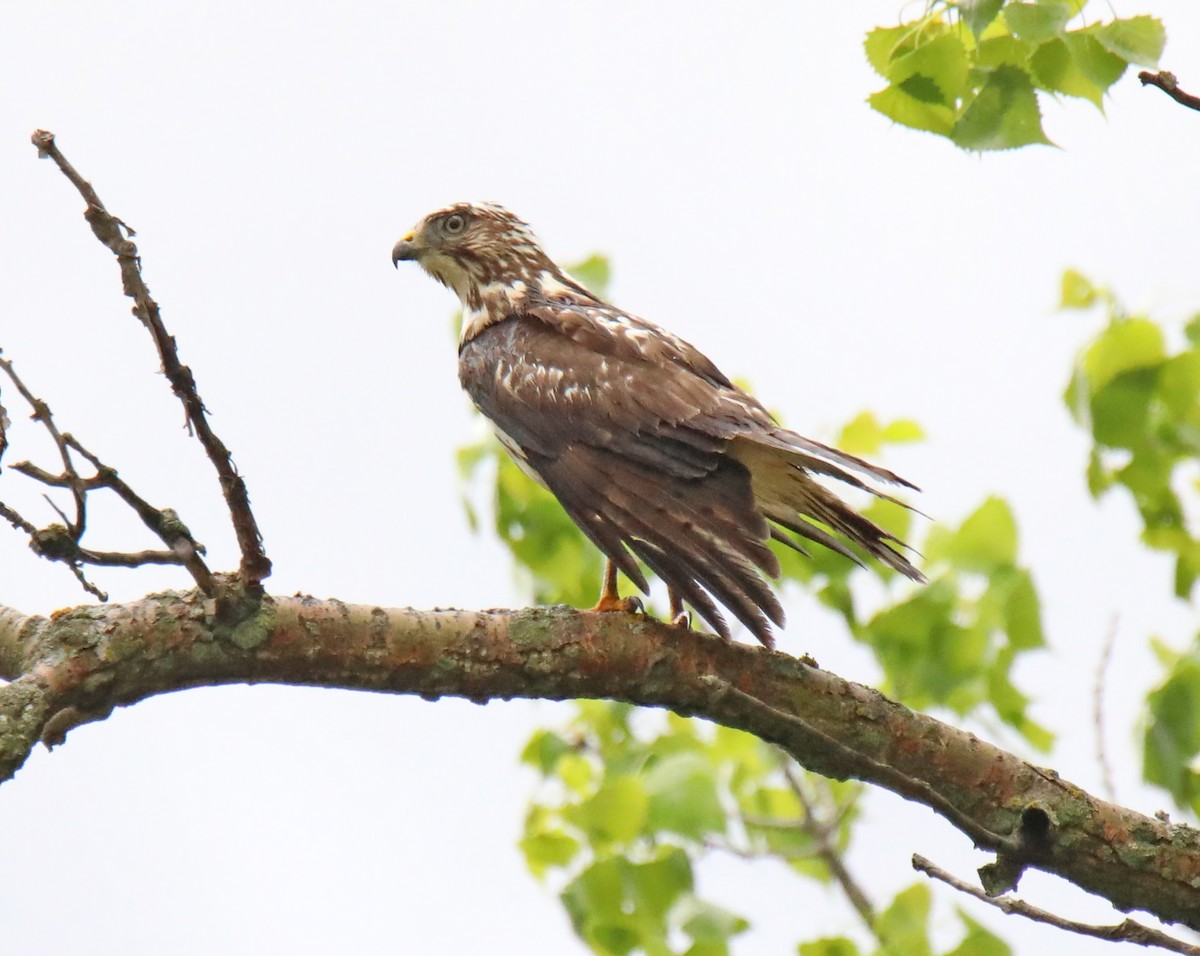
pixel 1128 931
pixel 1170 85
pixel 41 413
pixel 62 542
pixel 824 834
pixel 117 236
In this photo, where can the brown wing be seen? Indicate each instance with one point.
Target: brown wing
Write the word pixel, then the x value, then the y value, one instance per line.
pixel 651 449
pixel 625 447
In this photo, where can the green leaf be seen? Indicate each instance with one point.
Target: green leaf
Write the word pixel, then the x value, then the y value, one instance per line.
pixel 544 750
pixel 1022 612
pixel 655 886
pixel 830 946
pixel 683 798
pixel 883 43
pixel 903 107
pixel 1093 61
pixel 706 923
pixel 1120 409
pixel 904 926
pixel 941 61
pixel 1179 387
pixel 979 940
pixel 1137 40
pixel 1055 69
pixel 903 430
pixel 594 901
pixel 1037 22
pixel 1004 115
pixel 978 14
pixel 1172 738
pixel 594 272
pixel 1004 50
pixel 1077 291
pixel 548 849
pixel 616 812
pixel 985 541
pixel 1125 344
pixel 862 435
pixel 1192 330
pixel 924 652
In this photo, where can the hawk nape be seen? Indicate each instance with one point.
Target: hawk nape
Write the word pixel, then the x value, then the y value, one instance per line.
pixel 646 444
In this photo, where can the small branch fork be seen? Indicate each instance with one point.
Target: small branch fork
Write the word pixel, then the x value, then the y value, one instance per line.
pixel 117 236
pixel 62 542
pixel 1127 931
pixel 1170 85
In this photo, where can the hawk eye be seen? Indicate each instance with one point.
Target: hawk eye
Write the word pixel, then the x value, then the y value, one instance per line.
pixel 454 224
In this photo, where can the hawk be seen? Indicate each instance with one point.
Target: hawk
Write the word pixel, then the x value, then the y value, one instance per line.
pixel 654 453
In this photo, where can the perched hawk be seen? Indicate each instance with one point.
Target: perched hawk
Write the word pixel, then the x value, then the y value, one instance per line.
pixel 646 444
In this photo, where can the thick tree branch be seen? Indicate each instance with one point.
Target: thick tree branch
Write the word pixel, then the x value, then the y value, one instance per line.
pixel 78 666
pixel 117 236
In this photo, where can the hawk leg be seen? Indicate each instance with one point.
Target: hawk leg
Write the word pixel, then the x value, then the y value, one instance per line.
pixel 610 600
pixel 677 616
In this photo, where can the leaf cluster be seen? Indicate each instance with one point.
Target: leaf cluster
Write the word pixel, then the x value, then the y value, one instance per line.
pixel 974 71
pixel 630 802
pixel 1139 399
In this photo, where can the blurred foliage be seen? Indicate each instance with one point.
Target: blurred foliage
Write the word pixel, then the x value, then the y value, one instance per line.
pixel 631 800
pixel 1139 398
pixel 975 70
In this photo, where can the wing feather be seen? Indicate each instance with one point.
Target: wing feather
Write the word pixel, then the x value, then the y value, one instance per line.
pixel 656 520
pixel 654 453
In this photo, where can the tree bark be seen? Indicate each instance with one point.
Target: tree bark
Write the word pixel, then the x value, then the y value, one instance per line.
pixel 78 665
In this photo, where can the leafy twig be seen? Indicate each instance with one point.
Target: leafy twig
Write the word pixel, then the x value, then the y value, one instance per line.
pixel 1128 931
pixel 116 235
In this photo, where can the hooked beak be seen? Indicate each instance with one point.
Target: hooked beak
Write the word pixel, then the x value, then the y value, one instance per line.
pixel 405 250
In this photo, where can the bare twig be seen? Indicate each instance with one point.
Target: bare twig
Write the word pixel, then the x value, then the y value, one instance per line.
pixel 4 423
pixel 1170 85
pixel 1128 931
pixel 163 522
pixel 824 834
pixel 1106 652
pixel 41 413
pixel 16 520
pixel 86 584
pixel 62 542
pixel 115 234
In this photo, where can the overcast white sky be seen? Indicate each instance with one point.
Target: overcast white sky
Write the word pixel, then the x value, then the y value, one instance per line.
pixel 269 155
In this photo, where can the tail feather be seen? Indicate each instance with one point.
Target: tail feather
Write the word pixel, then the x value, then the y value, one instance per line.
pixel 788 495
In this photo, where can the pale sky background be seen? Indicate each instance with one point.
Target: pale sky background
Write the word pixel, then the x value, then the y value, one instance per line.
pixel 722 154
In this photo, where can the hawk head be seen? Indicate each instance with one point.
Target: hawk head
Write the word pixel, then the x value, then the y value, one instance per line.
pixel 471 246
pixel 490 258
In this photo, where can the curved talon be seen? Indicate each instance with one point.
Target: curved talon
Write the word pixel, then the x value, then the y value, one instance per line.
pixel 611 602
pixel 682 620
